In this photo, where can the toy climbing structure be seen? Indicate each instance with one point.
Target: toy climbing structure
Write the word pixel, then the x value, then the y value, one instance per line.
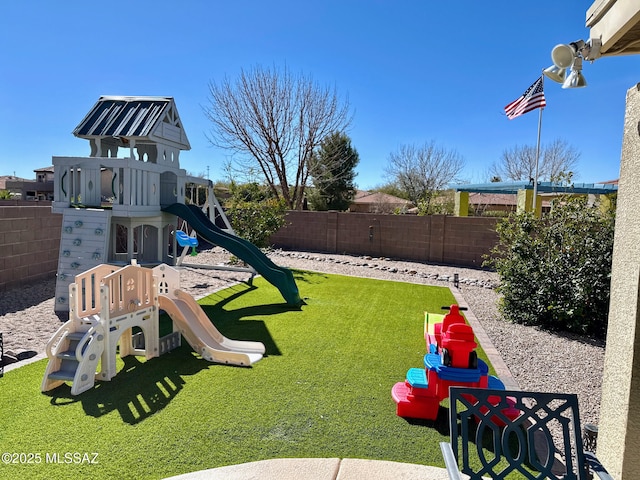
pixel 107 303
pixel 118 209
pixel 451 360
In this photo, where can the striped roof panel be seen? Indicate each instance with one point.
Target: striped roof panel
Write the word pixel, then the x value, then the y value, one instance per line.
pixel 123 117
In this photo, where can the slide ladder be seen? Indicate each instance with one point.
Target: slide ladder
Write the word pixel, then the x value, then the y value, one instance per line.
pixel 74 352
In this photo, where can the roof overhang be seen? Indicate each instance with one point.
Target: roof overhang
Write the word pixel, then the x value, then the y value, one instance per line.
pixel 616 23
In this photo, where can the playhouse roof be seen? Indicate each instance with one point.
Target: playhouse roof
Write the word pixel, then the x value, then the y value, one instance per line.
pixel 146 119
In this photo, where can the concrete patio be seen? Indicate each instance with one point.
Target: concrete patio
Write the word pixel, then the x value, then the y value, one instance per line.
pixel 319 469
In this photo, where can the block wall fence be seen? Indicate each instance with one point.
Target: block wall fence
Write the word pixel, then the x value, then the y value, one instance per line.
pixel 29 242
pixel 30 238
pixel 442 239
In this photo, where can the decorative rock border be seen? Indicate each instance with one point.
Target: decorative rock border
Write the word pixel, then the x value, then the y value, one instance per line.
pixel 382 263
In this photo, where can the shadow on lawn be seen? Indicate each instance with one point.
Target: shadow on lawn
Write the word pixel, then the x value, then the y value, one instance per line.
pixel 140 389
pixel 440 424
pixel 306 276
pixel 242 324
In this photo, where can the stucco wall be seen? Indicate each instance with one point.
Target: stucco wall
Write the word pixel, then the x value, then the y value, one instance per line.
pixel 619 427
pixel 29 242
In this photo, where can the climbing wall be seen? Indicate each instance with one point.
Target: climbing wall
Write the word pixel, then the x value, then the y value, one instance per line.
pixel 84 244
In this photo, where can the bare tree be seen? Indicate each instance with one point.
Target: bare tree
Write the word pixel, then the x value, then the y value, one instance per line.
pixel 558 158
pixel 421 171
pixel 519 162
pixel 274 121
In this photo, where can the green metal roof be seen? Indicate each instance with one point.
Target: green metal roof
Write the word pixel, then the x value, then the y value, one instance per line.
pixel 543 187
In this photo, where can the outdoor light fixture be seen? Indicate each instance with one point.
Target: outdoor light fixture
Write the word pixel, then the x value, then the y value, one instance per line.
pixel 557 74
pixel 567 62
pixel 575 79
pixel 564 55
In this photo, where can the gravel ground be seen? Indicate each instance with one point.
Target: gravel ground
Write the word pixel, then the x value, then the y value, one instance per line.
pixel 538 360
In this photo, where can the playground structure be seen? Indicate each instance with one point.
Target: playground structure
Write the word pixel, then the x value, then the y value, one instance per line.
pixel 451 360
pixel 109 304
pixel 116 210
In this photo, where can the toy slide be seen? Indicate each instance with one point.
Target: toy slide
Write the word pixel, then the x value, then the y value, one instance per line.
pixel 280 277
pixel 204 338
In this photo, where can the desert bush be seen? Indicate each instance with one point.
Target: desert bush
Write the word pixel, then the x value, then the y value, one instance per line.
pixel 254 214
pixel 555 272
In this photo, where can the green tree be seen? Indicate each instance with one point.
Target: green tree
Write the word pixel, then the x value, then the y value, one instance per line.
pixel 555 271
pixel 332 169
pixel 254 213
pixel 5 195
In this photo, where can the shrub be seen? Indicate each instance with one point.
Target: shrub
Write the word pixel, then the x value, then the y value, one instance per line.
pixel 555 272
pixel 253 214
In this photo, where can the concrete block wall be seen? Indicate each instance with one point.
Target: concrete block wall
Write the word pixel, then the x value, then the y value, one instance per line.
pixel 29 242
pixel 432 239
pixel 468 239
pixel 30 238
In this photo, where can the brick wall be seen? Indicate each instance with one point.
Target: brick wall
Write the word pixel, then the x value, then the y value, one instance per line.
pixel 29 242
pixel 432 239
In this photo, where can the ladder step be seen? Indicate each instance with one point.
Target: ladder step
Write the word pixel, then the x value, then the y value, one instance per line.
pixel 76 335
pixel 67 355
pixel 63 375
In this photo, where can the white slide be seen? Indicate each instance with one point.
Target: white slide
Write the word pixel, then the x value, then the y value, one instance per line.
pixel 203 336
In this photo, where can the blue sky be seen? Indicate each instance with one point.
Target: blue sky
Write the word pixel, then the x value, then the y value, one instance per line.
pixel 414 71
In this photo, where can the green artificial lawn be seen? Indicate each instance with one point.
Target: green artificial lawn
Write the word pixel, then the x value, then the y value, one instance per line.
pixel 322 390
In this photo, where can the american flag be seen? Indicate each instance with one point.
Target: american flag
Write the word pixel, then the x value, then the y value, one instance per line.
pixel 531 99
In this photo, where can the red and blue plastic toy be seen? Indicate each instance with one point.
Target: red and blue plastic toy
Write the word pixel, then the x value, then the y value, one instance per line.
pixel 451 360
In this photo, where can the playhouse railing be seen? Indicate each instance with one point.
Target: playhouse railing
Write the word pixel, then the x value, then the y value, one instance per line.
pixel 126 185
pixel 85 291
pixel 130 288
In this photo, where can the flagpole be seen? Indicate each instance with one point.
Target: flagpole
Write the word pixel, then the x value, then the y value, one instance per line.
pixel 535 177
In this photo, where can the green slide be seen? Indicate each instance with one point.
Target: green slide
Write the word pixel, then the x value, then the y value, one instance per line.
pixel 280 277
